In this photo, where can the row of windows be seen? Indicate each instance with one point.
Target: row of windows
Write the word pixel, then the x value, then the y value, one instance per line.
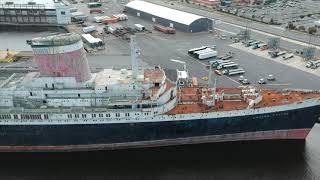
pixel 5 116
pixel 102 115
pixel 24 116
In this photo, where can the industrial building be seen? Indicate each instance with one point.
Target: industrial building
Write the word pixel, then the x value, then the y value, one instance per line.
pixel 179 20
pixel 34 12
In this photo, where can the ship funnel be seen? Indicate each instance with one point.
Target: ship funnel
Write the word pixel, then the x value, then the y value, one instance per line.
pixel 61 56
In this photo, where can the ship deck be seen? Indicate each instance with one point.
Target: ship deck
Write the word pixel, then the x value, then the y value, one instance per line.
pixel 234 99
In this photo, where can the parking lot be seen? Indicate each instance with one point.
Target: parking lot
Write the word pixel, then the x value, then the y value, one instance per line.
pixel 162 49
pixel 281 12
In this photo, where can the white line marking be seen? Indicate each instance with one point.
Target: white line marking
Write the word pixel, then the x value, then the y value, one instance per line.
pixel 225 31
pixel 271 35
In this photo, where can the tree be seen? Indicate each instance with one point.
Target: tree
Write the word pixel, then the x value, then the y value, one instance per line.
pixel 271 21
pixel 301 28
pixel 291 26
pixel 312 30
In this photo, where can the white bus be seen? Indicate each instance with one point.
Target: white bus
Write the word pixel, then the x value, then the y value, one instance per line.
pixel 192 51
pixel 207 55
pixel 92 41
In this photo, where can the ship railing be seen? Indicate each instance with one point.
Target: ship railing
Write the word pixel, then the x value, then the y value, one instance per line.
pixel 301 90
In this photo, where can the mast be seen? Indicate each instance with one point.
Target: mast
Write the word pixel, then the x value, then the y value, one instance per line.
pixel 134 53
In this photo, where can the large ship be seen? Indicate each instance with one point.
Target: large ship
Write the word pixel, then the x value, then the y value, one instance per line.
pixel 65 107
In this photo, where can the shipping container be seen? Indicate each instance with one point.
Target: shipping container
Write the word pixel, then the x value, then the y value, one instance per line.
pixel 96 11
pixel 122 17
pixel 73 9
pixel 110 20
pixel 94 4
pixel 98 19
pixel 164 29
pixel 92 41
pixel 89 29
pixel 139 27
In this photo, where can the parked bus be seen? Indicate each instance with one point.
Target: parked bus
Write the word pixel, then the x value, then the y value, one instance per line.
pixel 207 55
pixel 191 51
pixel 92 41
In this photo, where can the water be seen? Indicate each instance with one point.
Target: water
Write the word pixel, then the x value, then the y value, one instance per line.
pixel 270 160
pixel 15 38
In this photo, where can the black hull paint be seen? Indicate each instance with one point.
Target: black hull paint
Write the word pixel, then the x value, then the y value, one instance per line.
pixel 122 133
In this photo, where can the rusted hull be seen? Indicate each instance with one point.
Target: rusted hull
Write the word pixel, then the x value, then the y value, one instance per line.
pixel 296 134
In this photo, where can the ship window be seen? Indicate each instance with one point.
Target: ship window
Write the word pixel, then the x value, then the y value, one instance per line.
pixel 15 116
pixel 46 95
pixel 78 95
pixel 69 115
pixel 127 114
pixel 76 115
pixel 52 86
pixel 107 115
pixel 84 115
pixel 117 114
pixel 100 115
pixel 30 93
pixel 46 116
pixel 46 85
pixel 93 115
pixel 156 84
pixel 44 101
pixel 63 13
pixel 106 88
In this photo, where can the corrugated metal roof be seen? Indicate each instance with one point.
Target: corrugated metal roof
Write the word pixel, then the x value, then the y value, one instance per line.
pixel 164 12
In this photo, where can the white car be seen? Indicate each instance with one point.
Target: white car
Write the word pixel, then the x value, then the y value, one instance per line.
pixel 262 81
pixel 223 37
pixel 271 77
pixel 241 78
pixel 245 81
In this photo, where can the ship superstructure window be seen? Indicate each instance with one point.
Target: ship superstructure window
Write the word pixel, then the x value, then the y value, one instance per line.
pixel 46 116
pixel 84 115
pixel 100 115
pixel 93 115
pixel 69 115
pixel 30 93
pixel 29 116
pixel 76 115
pixel 5 116
pixel 117 114
pixel 15 116
pixel 78 95
pixel 107 115
pixel 127 114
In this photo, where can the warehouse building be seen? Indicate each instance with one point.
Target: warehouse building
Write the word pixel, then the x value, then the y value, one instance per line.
pixel 34 12
pixel 169 17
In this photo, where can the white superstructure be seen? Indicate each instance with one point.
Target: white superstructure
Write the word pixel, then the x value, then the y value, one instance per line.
pixel 34 12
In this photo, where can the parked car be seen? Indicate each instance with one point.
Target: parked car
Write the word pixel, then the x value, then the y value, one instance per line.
pixel 245 81
pixel 262 81
pixel 241 78
pixel 271 77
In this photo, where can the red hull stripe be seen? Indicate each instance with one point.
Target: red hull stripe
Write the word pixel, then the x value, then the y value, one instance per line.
pixel 261 135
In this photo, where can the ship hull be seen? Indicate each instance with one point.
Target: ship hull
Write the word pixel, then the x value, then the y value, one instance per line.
pixel 293 124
